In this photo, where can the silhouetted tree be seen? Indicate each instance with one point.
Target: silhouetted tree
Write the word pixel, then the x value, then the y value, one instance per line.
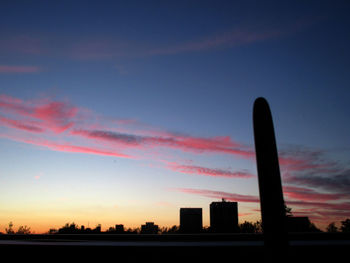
pixel 248 227
pixel 169 230
pixel 97 229
pixel 331 228
pixel 53 231
pixel 288 211
pixel 69 229
pixel 10 230
pixel 258 226
pixel 136 230
pixel 23 230
pixel 111 230
pixel 206 229
pixel 174 229
pixel 314 228
pixel 345 225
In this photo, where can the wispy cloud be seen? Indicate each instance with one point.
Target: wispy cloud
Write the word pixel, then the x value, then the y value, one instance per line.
pixel 236 37
pixel 52 115
pixel 56 115
pixel 337 182
pixel 219 195
pixel 297 159
pixel 200 170
pixel 22 44
pixel 62 127
pixel 19 69
pixel 19 125
pixel 103 48
pixel 66 147
pixel 170 140
pixel 308 194
pixel 317 206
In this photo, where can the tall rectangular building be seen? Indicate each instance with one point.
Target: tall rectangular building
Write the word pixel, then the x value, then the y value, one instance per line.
pixel 191 220
pixel 224 217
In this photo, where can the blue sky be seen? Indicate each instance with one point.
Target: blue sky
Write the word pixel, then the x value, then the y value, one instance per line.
pixel 170 85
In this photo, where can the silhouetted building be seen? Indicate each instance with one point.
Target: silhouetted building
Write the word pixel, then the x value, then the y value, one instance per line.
pixel 298 224
pixel 119 229
pixel 224 217
pixel 149 228
pixel 191 220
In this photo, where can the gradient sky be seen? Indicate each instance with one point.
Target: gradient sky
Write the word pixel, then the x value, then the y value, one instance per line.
pixel 121 112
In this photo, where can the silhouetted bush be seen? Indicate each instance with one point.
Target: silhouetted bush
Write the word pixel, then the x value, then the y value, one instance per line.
pixel 10 230
pixel 136 230
pixel 52 231
pixel 23 230
pixel 300 224
pixel 345 226
pixel 169 230
pixel 69 229
pixel 248 227
pixel 331 228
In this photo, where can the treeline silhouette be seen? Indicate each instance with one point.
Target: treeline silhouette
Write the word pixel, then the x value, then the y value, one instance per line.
pixel 245 227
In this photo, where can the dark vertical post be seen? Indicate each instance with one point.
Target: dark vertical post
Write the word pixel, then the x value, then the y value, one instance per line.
pixel 270 187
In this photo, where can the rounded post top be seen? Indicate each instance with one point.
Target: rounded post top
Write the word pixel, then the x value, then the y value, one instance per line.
pixel 261 108
pixel 260 102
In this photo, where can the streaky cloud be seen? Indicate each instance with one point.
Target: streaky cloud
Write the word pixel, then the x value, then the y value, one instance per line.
pixel 236 37
pixel 174 141
pixel 337 181
pixel 219 195
pixel 19 69
pixel 316 210
pixel 67 147
pixel 307 194
pixel 200 170
pixel 53 115
pixel 21 125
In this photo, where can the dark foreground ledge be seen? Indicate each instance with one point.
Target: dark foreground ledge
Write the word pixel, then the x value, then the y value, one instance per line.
pixel 162 248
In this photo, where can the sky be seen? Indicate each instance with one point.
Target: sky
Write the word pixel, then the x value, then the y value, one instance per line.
pixel 121 112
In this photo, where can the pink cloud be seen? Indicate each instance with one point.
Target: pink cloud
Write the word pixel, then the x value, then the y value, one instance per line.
pixel 14 105
pixel 244 214
pixel 9 99
pixel 340 206
pixel 296 164
pixel 53 115
pixel 66 122
pixel 56 115
pixel 219 195
pixel 70 148
pixel 82 149
pixel 19 125
pixel 213 144
pixel 320 212
pixel 338 180
pixel 193 169
pixel 185 143
pixel 307 194
pixel 19 69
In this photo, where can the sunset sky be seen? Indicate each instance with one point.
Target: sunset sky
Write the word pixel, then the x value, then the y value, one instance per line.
pixel 121 112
